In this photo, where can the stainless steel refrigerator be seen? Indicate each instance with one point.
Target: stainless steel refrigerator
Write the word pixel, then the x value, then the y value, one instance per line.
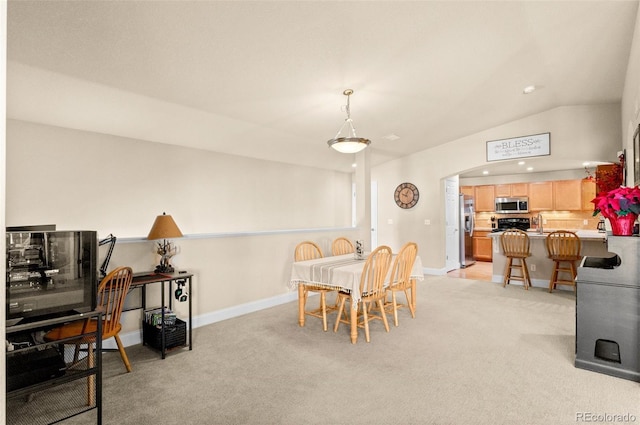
pixel 466 230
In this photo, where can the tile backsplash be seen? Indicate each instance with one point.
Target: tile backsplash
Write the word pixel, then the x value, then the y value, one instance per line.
pixel 565 220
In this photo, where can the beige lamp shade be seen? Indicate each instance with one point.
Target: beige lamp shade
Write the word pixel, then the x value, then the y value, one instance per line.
pixel 164 228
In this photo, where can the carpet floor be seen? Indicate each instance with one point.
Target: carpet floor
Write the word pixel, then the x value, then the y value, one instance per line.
pixel 476 353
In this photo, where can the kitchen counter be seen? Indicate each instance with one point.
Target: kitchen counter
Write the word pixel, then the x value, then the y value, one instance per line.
pixel 482 229
pixel 582 234
pixel 594 244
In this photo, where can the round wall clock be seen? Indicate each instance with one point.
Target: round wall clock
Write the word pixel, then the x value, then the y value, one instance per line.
pixel 406 195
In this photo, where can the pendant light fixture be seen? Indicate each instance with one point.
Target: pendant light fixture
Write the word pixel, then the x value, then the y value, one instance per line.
pixel 351 143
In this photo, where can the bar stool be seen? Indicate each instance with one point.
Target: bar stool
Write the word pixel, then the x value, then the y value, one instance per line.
pixel 563 247
pixel 515 246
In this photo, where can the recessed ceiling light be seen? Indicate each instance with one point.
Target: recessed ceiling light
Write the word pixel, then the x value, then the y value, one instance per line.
pixel 521 163
pixel 529 168
pixel 354 165
pixel 529 89
pixel 485 172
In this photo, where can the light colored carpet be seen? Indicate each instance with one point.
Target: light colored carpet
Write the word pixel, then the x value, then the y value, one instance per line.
pixel 476 353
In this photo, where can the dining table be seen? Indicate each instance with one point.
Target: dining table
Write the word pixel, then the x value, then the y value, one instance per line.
pixel 341 273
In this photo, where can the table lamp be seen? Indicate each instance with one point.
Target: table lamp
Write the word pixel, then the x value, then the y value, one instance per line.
pixel 164 228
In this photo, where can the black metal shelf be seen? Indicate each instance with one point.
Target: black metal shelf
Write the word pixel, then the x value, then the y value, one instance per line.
pixel 59 392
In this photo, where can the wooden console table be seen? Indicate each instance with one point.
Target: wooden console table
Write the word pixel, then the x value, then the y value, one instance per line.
pixel 142 279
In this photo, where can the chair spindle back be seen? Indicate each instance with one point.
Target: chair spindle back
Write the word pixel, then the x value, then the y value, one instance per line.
pixel 342 246
pixel 375 271
pixel 563 243
pixel 307 250
pixel 403 264
pixel 112 292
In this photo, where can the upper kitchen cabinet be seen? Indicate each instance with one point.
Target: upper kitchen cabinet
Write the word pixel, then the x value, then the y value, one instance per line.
pixel 541 196
pixel 485 198
pixel 520 189
pixel 514 189
pixel 588 193
pixel 567 195
pixel 502 190
pixel 467 190
pixel 560 195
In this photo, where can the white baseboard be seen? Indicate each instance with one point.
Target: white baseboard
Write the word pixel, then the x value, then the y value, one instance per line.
pixel 536 283
pixel 435 272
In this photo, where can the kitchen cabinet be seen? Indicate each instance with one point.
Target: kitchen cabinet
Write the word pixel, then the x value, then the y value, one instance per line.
pixel 560 195
pixel 482 246
pixel 502 190
pixel 467 190
pixel 485 198
pixel 520 189
pixel 541 196
pixel 567 195
pixel 588 193
pixel 513 189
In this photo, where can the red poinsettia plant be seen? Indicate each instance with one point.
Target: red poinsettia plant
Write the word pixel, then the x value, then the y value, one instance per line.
pixel 617 202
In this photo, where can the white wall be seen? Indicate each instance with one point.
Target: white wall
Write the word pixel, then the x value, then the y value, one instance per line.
pixel 242 217
pixel 631 101
pixel 79 179
pixel 589 132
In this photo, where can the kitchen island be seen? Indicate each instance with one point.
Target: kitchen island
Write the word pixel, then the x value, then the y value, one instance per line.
pixel 594 243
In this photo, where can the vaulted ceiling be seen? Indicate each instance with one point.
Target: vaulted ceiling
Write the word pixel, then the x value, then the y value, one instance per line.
pixel 265 79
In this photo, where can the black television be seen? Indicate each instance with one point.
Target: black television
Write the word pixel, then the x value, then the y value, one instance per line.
pixel 50 274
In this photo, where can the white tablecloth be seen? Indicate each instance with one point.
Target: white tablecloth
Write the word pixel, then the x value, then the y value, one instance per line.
pixel 340 272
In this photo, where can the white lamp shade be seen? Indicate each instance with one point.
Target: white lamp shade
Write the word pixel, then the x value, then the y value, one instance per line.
pixel 349 144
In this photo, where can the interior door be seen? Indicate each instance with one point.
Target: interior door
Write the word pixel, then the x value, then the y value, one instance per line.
pixel 452 223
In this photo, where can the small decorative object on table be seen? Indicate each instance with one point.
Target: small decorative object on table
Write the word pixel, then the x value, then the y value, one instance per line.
pixel 621 206
pixel 359 252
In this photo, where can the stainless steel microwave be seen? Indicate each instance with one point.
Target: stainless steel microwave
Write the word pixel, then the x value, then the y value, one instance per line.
pixel 513 205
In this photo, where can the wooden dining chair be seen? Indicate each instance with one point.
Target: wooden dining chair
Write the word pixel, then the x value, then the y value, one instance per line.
pixel 563 247
pixel 372 291
pixel 400 279
pixel 341 246
pixel 308 250
pixel 110 299
pixel 516 247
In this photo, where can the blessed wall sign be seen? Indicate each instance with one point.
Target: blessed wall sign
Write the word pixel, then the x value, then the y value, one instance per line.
pixel 519 147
